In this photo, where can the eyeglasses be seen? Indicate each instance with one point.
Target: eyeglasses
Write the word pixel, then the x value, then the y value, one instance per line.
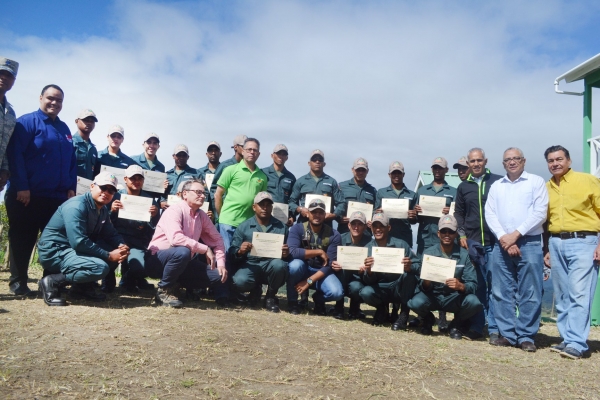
pixel 199 192
pixel 515 159
pixel 251 150
pixel 116 136
pixel 446 231
pixel 108 189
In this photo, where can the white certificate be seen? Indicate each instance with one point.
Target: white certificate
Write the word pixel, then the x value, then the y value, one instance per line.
pixel 266 245
pixel 173 199
pixel 154 181
pixel 365 208
pixel 437 269
pixel 388 259
pixel 352 257
pixel 395 208
pixel 432 205
pixel 205 207
pixel 83 185
pixel 135 207
pixel 451 209
pixel 208 178
pixel 119 173
pixel 311 197
pixel 281 211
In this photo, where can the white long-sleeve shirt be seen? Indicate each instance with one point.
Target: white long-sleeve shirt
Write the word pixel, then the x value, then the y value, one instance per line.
pixel 520 205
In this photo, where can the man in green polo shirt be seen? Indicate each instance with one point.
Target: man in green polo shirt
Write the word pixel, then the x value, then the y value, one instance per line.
pixel 242 182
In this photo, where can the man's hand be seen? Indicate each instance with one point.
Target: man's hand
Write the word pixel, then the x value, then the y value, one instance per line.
pixel 116 206
pixel 153 211
pixel 165 184
pixel 223 272
pixel 345 221
pixel 302 211
pixel 407 263
pixel 244 248
pixel 509 239
pixel 210 258
pixel 118 255
pixel 330 217
pixel 164 205
pixel 455 284
pixel 4 175
pixel 324 257
pixel 335 266
pixel 24 196
pixel 418 209
pixel 547 259
pixel 412 214
pixel 464 244
pixel 514 251
pixel 369 261
pixel 446 210
pixel 70 193
pixel 301 287
pixel 285 251
pixel 597 253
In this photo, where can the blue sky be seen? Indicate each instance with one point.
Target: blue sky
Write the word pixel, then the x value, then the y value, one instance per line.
pixel 380 79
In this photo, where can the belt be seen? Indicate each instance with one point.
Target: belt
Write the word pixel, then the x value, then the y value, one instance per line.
pixel 573 235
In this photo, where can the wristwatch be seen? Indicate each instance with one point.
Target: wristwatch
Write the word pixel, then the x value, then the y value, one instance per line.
pixel 309 281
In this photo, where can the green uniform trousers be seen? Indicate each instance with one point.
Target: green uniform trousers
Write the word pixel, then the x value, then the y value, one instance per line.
pixel 463 306
pixel 274 273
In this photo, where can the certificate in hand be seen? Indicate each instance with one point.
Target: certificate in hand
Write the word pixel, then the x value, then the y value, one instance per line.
pixel 208 178
pixel 352 257
pixel 281 212
pixel 437 269
pixel 388 259
pixel 154 181
pixel 395 208
pixel 83 185
pixel 205 207
pixel 432 206
pixel 173 199
pixel 451 209
pixel 326 199
pixel 135 207
pixel 365 208
pixel 118 173
pixel 266 245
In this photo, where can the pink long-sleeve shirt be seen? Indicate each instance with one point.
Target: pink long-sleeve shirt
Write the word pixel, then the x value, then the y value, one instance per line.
pixel 180 226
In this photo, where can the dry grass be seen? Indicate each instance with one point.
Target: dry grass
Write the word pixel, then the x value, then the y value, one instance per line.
pixel 127 348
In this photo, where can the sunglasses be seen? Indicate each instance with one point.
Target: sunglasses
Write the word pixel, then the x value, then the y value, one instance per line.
pixel 108 189
pixel 446 231
pixel 317 159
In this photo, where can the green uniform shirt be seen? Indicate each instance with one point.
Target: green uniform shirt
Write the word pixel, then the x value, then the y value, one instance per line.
pixel 175 179
pixel 347 240
pixel 381 277
pixel 137 234
pixel 242 185
pixel 324 185
pixel 428 226
pixel 244 232
pixel 279 186
pixel 352 192
pixel 86 155
pixel 400 227
pixel 465 272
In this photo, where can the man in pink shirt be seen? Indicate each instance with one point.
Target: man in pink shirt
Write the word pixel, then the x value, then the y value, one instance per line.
pixel 177 255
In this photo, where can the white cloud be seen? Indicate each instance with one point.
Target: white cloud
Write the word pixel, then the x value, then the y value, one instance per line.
pixel 380 80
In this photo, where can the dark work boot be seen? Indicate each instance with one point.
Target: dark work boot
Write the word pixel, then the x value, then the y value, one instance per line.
pixel 394 314
pixel 355 312
pixel 271 301
pixel 319 304
pixel 293 307
pixel 381 315
pixel 442 322
pixel 255 295
pixel 401 323
pixel 303 303
pixel 86 291
pixel 109 282
pixel 50 288
pixel 428 321
pixel 337 311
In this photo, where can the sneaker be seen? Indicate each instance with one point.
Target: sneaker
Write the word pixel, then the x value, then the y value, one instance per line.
pixel 558 348
pixel 571 353
pixel 168 298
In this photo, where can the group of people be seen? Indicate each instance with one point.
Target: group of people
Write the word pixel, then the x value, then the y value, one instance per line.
pixel 500 232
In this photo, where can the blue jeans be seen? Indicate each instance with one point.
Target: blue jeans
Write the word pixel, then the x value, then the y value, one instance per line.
pixel 575 275
pixel 518 283
pixel 226 232
pixel 484 294
pixel 330 286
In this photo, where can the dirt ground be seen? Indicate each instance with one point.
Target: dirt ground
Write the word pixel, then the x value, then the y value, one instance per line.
pixel 129 348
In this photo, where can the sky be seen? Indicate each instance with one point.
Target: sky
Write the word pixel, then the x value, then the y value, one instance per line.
pixel 384 80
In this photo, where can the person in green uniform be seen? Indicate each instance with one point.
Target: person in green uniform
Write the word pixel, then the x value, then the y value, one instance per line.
pixel 356 189
pixel 238 155
pixel 358 236
pixel 317 182
pixel 112 156
pixel 79 243
pixel 148 159
pixel 85 150
pixel 462 168
pixel 456 295
pixel 378 289
pixel 180 173
pixel 280 181
pixel 213 154
pixel 427 233
pixel 255 271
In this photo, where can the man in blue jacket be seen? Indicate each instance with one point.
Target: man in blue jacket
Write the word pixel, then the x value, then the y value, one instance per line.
pixel 43 175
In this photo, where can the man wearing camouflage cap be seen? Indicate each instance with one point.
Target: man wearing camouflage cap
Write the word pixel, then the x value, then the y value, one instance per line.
pixel 180 173
pixel 280 181
pixel 252 271
pixel 83 221
pixel 85 150
pixel 8 118
pixel 148 159
pixel 462 167
pixel 356 189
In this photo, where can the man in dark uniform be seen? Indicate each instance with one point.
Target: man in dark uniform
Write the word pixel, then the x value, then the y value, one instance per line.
pixel 148 160
pixel 280 181
pixel 85 150
pixel 462 167
pixel 112 156
pixel 180 173
pixel 207 172
pixel 356 189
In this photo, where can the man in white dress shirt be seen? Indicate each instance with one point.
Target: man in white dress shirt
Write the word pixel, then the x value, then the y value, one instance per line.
pixel 515 211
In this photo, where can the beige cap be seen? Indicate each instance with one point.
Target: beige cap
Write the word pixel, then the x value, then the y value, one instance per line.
pixel 440 161
pixel 116 129
pixel 360 163
pixel 152 135
pixel 380 217
pixel 396 166
pixel 317 152
pixel 86 112
pixel 358 216
pixel 462 162
pixel 106 178
pixel 134 170
pixel 179 148
pixel 9 65
pixel 280 147
pixel 448 221
pixel 262 196
pixel 239 140
pixel 213 143
pixel 317 203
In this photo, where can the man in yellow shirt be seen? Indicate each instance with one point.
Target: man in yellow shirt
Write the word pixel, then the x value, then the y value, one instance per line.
pixel 573 226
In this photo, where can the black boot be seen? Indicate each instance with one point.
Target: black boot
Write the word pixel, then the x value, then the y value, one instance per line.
pixel 319 304
pixel 355 312
pixel 381 315
pixel 337 311
pixel 442 322
pixel 428 321
pixel 401 323
pixel 394 314
pixel 303 303
pixel 109 282
pixel 86 291
pixel 254 296
pixel 271 301
pixel 50 288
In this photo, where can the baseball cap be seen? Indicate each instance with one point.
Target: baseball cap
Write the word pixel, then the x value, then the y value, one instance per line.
pixel 152 135
pixel 213 143
pixel 86 112
pixel 358 216
pixel 280 147
pixel 9 65
pixel 106 178
pixel 263 196
pixel 380 217
pixel 181 147
pixel 396 166
pixel 317 203
pixel 116 129
pixel 317 152
pixel 360 163
pixel 440 161
pixel 239 140
pixel 448 221
pixel 134 170
pixel 462 162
